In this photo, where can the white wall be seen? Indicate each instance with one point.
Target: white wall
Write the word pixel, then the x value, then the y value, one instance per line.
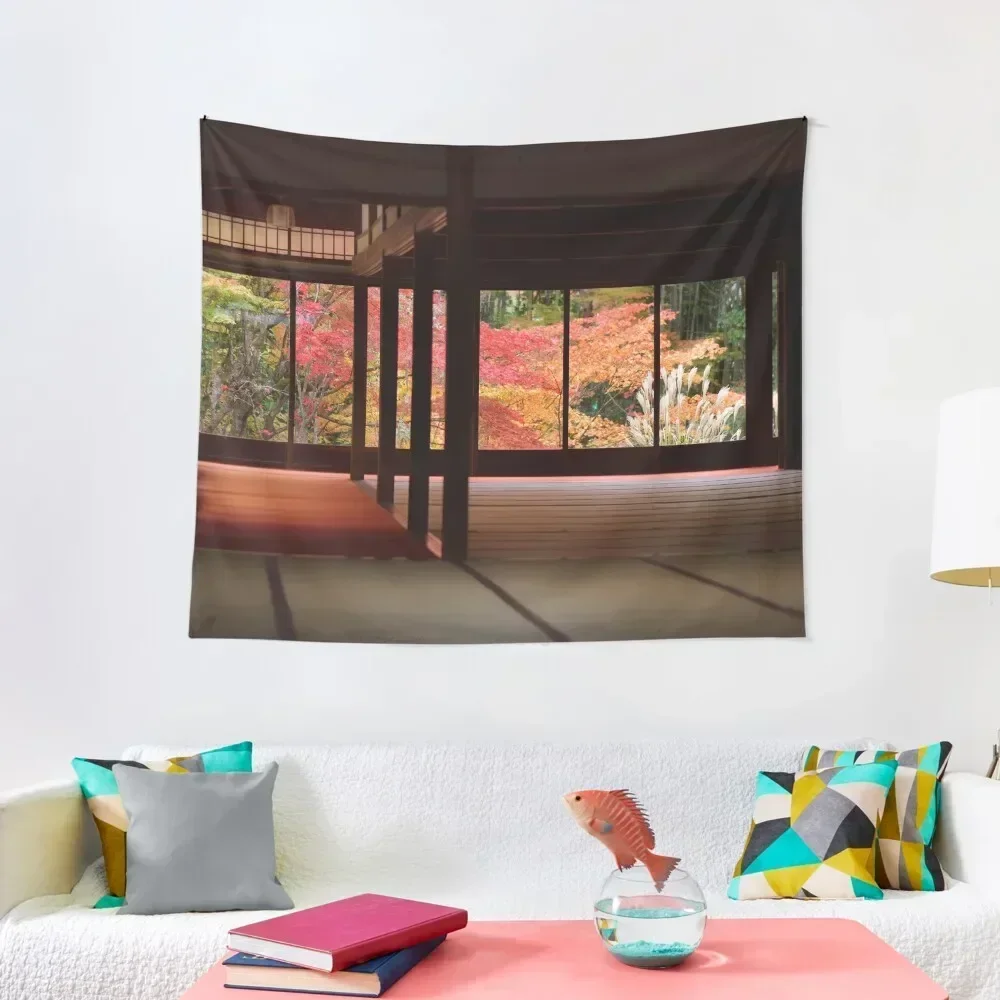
pixel 99 181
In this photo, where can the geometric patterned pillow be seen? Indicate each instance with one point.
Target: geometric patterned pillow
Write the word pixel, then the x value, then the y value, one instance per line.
pixel 905 858
pixel 100 789
pixel 813 834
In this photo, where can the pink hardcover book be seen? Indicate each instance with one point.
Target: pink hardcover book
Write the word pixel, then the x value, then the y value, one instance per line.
pixel 337 935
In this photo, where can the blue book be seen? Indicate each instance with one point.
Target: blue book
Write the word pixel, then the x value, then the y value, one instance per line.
pixel 369 979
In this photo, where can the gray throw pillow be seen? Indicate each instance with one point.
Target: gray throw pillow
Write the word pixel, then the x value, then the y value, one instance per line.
pixel 199 842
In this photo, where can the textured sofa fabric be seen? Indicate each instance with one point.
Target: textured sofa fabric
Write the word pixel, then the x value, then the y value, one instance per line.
pixel 484 827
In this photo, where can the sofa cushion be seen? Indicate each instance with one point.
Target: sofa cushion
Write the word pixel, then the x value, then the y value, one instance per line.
pixel 100 788
pixel 812 834
pixel 904 857
pixel 200 842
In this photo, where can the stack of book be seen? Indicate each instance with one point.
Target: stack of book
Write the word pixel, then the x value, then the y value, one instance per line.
pixel 352 947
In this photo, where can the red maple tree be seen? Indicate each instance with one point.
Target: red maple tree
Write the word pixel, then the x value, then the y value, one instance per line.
pixel 520 371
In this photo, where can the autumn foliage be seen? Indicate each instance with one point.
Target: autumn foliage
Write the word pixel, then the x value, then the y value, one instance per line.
pixel 245 365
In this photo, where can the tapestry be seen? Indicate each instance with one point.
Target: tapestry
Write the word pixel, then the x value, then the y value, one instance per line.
pixel 477 394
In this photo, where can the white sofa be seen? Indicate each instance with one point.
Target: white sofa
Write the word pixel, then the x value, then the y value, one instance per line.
pixel 478 826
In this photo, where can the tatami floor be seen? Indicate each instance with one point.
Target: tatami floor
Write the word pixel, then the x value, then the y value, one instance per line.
pixel 369 600
pixel 697 555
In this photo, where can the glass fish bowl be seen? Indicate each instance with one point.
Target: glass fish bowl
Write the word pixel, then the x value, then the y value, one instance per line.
pixel 647 928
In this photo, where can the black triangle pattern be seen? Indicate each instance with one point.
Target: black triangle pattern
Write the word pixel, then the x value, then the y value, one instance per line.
pixel 762 836
pixel 855 830
pixel 109 764
pixel 784 779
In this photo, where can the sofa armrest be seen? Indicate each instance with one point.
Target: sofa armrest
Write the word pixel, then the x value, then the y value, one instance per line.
pixel 967 831
pixel 47 838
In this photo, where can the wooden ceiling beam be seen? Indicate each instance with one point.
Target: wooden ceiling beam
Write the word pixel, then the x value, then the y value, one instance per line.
pixel 523 275
pixel 703 265
pixel 654 268
pixel 263 265
pixel 624 245
pixel 582 220
pixel 398 239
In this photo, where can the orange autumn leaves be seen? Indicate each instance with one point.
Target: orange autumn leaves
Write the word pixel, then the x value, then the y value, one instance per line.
pixel 610 354
pixel 246 365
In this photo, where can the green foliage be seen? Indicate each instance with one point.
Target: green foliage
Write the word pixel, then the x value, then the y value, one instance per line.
pixel 589 301
pixel 701 308
pixel 732 338
pixel 244 367
pixel 730 361
pixel 506 308
pixel 603 399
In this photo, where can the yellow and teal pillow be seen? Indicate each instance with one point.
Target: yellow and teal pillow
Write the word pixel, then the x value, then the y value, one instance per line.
pixel 813 834
pixel 100 789
pixel 905 858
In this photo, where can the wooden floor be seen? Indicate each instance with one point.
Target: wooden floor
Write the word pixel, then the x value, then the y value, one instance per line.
pixel 295 513
pixel 290 512
pixel 747 510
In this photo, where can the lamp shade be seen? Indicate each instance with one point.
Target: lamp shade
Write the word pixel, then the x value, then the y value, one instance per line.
pixel 965 544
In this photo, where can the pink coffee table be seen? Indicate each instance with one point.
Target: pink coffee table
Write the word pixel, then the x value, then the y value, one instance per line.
pixel 740 959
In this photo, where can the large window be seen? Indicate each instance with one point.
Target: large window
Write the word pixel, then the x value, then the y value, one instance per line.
pixel 324 335
pixel 520 369
pixel 610 385
pixel 244 356
pixel 703 342
pixel 610 367
pixel 543 362
pixel 246 349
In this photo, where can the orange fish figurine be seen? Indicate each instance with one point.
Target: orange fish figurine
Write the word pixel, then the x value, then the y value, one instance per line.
pixel 617 820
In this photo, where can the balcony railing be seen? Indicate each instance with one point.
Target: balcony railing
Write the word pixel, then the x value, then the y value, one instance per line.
pixel 258 237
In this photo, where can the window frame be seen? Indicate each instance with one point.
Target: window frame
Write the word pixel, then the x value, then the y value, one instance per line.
pixel 758 449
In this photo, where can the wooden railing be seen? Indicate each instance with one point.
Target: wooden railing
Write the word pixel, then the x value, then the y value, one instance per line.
pixel 257 236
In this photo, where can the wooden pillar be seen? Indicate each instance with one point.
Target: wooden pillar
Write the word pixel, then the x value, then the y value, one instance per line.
pixel 758 364
pixel 657 365
pixel 473 362
pixel 388 376
pixel 292 308
pixel 790 351
pixel 418 503
pixel 462 357
pixel 359 401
